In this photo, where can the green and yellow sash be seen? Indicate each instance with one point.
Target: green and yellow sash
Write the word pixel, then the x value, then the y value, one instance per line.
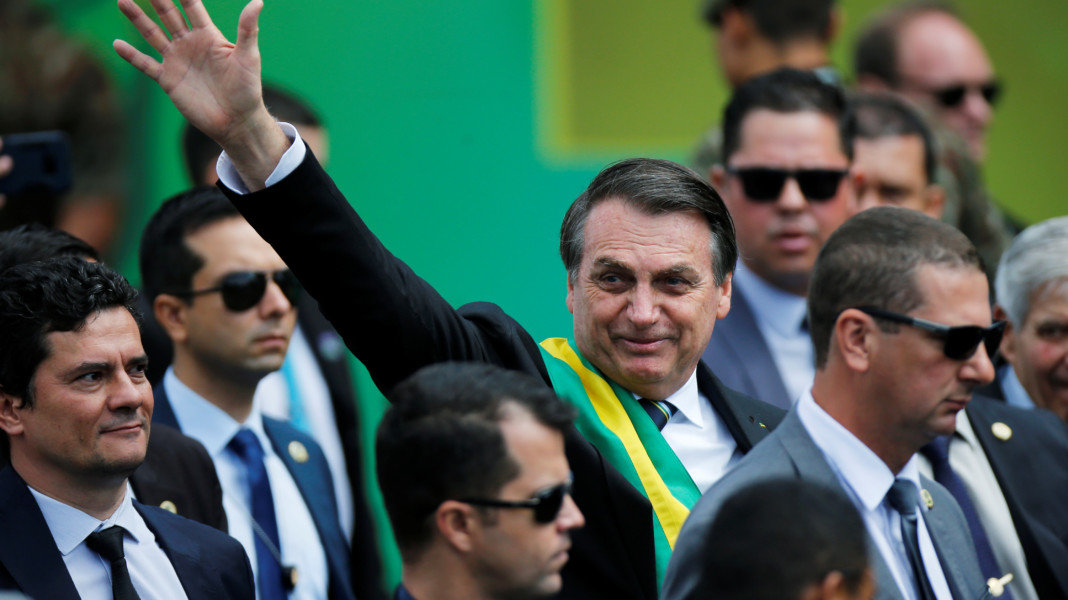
pixel 613 421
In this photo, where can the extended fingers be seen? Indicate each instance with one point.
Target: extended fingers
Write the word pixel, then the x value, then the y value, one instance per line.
pixel 198 15
pixel 145 26
pixel 138 59
pixel 171 17
pixel 248 26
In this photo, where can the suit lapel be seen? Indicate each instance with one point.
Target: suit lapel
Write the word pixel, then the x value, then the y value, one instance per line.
pixel 951 540
pixel 748 420
pixel 740 333
pixel 35 564
pixel 183 553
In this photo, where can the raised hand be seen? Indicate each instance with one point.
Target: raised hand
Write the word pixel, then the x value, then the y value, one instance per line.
pixel 215 84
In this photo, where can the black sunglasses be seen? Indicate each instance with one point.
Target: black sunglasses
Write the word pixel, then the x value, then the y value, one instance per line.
pixel 764 184
pixel 546 503
pixel 959 343
pixel 241 290
pixel 953 95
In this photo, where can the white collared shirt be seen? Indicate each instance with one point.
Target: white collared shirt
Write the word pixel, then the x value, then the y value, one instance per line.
pixel 778 316
pixel 299 539
pixel 969 462
pixel 699 437
pixel 151 571
pixel 867 479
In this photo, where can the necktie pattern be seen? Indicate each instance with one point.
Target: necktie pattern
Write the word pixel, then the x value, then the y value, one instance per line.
pixel 659 411
pixel 903 498
pixel 108 544
pixel 247 447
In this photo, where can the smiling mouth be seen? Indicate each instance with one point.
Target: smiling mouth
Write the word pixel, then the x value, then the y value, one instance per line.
pixel 131 427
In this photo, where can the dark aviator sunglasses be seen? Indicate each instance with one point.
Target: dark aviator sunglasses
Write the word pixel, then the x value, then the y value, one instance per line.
pixel 952 96
pixel 546 503
pixel 764 184
pixel 958 343
pixel 241 290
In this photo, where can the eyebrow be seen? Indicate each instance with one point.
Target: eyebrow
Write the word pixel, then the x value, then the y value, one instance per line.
pixel 89 366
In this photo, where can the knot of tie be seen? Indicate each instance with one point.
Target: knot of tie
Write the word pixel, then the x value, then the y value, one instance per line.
pixel 903 497
pixel 660 411
pixel 108 544
pixel 247 446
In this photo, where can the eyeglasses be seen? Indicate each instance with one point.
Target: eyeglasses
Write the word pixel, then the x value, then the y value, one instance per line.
pixel 241 290
pixel 951 96
pixel 546 503
pixel 959 343
pixel 764 184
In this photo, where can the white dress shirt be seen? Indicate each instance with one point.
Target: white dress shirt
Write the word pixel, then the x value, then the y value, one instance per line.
pixel 151 571
pixel 867 479
pixel 969 462
pixel 778 316
pixel 297 535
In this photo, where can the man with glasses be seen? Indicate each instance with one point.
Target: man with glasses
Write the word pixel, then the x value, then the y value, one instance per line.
pixel 473 474
pixel 787 182
pixel 226 300
pixel 901 325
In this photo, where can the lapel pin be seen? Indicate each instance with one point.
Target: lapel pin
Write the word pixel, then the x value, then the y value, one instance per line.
pixel 1001 431
pixel 169 506
pixel 927 499
pixel 997 586
pixel 298 451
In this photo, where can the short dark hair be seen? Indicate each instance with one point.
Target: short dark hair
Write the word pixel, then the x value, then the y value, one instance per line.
pixel 872 259
pixel 40 297
pixel 33 242
pixel 780 21
pixel 873 116
pixel 876 50
pixel 200 150
pixel 655 187
pixel 167 262
pixel 441 440
pixel 785 90
pixel 784 535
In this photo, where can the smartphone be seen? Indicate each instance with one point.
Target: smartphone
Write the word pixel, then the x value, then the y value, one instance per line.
pixel 41 163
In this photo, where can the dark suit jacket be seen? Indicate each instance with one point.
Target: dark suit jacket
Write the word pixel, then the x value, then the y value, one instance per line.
pixel 177 472
pixel 790 453
pixel 1031 467
pixel 395 323
pixel 740 357
pixel 316 487
pixel 210 564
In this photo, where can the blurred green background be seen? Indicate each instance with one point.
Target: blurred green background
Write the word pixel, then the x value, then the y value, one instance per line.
pixel 462 130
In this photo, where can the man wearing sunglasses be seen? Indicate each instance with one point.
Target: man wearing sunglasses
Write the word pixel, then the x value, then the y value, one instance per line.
pixel 227 301
pixel 649 249
pixel 787 182
pixel 901 324
pixel 473 474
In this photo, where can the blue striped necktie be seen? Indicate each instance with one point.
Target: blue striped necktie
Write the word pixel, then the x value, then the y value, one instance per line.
pixel 659 411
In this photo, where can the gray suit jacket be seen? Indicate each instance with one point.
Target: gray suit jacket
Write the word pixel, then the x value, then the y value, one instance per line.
pixel 789 453
pixel 741 359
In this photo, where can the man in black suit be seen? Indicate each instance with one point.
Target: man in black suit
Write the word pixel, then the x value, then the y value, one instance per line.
pixel 177 474
pixel 649 249
pixel 77 407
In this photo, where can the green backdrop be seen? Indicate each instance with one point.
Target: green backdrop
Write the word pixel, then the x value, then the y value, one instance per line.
pixel 462 130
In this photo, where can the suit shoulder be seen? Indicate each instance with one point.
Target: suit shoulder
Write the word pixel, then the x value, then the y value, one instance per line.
pixel 168 524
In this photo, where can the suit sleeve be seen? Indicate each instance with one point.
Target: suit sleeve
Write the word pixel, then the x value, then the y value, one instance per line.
pixel 393 321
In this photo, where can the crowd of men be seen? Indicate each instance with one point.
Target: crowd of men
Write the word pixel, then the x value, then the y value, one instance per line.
pixel 786 377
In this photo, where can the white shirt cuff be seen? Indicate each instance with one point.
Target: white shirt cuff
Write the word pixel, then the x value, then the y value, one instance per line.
pixel 289 163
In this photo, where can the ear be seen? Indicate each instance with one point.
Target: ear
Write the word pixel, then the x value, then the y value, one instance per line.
pixel 834 25
pixel 736 27
pixel 458 524
pixel 853 333
pixel 1008 337
pixel 570 295
pixel 856 179
pixel 726 288
pixel 172 314
pixel 10 414
pixel 934 197
pixel 717 175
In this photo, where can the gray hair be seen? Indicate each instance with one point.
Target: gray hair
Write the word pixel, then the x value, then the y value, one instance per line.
pixel 1035 259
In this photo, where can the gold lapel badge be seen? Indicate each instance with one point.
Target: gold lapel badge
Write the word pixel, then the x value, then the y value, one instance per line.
pixel 927 499
pixel 1001 431
pixel 298 451
pixel 169 506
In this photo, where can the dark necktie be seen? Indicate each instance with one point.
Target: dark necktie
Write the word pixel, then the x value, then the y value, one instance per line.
pixel 937 451
pixel 903 498
pixel 659 411
pixel 108 543
pixel 247 447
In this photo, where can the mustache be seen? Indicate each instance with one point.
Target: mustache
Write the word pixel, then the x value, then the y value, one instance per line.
pixel 125 421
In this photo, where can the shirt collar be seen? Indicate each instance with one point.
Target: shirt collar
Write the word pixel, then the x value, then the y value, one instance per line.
pixel 1015 394
pixel 686 400
pixel 776 308
pixel 210 425
pixel 70 526
pixel 965 432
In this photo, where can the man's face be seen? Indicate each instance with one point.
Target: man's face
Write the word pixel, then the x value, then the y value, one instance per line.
pixel 645 299
pixel 937 53
pixel 894 175
pixel 251 342
pixel 918 390
pixel 515 556
pixel 1038 349
pixel 92 407
pixel 780 238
